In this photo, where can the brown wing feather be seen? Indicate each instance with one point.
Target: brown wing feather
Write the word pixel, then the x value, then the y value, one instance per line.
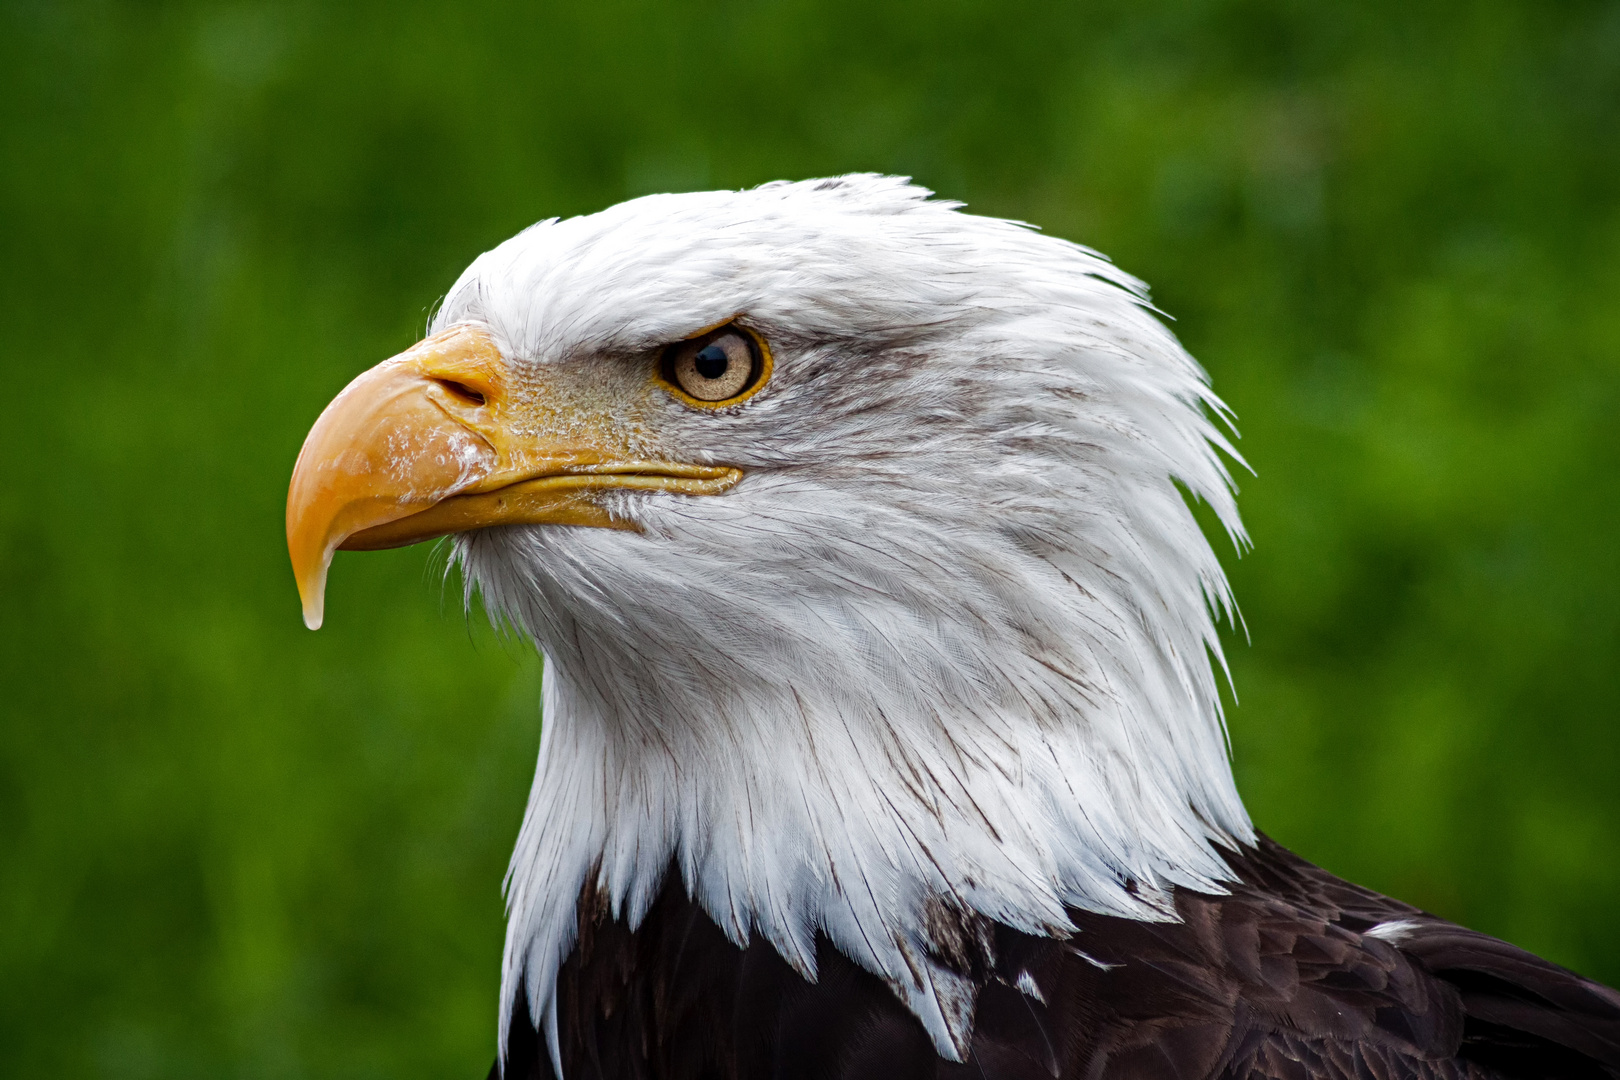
pixel 1279 979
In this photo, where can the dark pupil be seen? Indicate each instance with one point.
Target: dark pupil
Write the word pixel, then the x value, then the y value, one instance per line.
pixel 711 361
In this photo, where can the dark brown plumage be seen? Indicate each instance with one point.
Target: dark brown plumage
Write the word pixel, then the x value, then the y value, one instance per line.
pixel 1278 979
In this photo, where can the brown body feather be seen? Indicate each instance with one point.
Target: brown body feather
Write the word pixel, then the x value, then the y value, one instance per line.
pixel 1277 979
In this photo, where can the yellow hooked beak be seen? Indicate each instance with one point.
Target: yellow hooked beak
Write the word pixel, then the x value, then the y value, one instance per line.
pixel 435 441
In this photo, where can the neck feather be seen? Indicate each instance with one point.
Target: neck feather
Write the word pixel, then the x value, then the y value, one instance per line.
pixel 892 770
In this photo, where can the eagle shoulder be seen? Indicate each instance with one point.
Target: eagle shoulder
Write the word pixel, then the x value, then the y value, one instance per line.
pixel 1293 974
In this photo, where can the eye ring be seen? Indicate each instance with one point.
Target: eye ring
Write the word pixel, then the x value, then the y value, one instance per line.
pixel 717 367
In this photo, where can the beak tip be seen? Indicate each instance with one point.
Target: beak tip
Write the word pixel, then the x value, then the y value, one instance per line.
pixel 312 592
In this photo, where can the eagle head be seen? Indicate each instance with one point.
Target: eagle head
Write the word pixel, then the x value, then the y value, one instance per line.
pixel 854 530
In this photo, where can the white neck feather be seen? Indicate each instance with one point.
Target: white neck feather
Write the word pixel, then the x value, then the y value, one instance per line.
pixel 846 748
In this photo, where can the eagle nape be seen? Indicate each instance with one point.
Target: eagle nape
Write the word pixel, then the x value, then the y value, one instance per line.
pixel 882 728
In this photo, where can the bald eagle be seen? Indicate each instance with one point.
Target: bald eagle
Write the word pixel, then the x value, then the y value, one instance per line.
pixel 882 735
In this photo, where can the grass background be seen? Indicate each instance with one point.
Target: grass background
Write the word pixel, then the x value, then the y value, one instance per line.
pixel 229 847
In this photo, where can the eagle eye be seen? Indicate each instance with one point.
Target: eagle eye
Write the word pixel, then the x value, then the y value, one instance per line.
pixel 716 368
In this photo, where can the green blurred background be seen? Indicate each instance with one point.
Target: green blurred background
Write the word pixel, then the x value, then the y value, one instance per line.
pixel 229 847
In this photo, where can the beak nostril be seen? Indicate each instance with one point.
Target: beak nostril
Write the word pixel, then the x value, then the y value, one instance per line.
pixel 462 392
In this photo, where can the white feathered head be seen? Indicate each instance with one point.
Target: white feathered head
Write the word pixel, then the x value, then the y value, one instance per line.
pixel 855 532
